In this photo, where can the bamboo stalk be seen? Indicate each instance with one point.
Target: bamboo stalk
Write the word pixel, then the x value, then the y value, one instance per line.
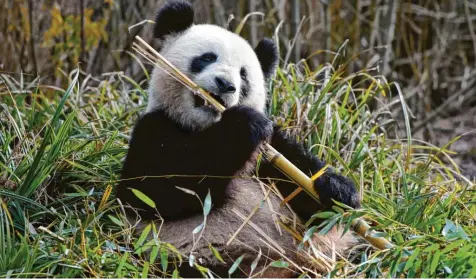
pixel 271 154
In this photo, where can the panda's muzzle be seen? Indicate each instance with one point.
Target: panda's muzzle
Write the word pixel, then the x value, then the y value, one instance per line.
pixel 224 86
pixel 200 102
pixel 218 91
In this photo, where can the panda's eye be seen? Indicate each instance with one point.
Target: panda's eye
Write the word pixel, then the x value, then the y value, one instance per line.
pixel 243 73
pixel 199 63
pixel 208 57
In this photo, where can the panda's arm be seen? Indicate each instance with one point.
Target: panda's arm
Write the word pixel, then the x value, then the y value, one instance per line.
pixel 329 186
pixel 153 157
pixel 200 161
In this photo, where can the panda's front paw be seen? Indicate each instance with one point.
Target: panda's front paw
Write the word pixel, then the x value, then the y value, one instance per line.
pixel 336 187
pixel 250 123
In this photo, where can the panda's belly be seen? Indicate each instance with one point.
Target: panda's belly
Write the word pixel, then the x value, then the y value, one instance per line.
pixel 259 233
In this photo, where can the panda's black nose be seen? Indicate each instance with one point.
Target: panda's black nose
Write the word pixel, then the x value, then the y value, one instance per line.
pixel 224 86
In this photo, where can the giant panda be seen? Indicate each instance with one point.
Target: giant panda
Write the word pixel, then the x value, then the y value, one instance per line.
pixel 182 143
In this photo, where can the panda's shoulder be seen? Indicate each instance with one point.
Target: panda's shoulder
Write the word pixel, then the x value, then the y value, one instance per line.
pixel 151 123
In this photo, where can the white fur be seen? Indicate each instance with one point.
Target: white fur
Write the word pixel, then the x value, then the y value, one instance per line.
pixel 233 53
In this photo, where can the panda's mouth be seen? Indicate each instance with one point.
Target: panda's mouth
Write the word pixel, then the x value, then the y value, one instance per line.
pixel 200 102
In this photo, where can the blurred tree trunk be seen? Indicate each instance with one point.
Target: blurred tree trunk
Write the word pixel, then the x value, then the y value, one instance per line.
pixel 296 14
pixel 253 24
pixel 387 25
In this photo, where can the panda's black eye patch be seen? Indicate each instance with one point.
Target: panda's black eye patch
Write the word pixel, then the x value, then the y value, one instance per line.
pixel 200 62
pixel 245 85
pixel 243 73
pixel 209 57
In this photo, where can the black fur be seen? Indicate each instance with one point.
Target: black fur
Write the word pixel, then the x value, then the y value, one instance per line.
pixel 267 53
pixel 207 160
pixel 160 147
pixel 245 83
pixel 174 17
pixel 201 62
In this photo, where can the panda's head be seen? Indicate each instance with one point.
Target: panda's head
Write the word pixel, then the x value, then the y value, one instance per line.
pixel 216 59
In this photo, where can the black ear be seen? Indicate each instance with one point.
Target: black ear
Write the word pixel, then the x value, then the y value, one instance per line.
pixel 174 17
pixel 267 53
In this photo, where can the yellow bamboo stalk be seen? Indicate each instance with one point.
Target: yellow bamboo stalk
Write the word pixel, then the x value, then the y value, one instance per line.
pixel 271 154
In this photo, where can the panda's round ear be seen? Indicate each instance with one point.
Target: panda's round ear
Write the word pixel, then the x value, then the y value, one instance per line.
pixel 174 17
pixel 267 53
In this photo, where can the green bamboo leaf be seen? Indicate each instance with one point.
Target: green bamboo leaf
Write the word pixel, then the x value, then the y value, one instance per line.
pixel 120 266
pixel 164 258
pixel 411 259
pixel 216 253
pixel 309 233
pixel 255 262
pixel 191 260
pixel 198 229
pixel 175 251
pixel 330 224
pixel 280 264
pixel 141 196
pixel 324 215
pixel 143 236
pixel 154 253
pixel 207 205
pixel 116 221
pixel 145 270
pixel 235 265
pixel 434 262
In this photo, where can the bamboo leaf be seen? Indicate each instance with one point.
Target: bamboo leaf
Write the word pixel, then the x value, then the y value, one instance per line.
pixel 198 229
pixel 255 262
pixel 188 191
pixel 145 270
pixel 207 205
pixel 164 258
pixel 434 262
pixel 309 233
pixel 280 264
pixel 141 196
pixel 235 265
pixel 116 221
pixel 154 253
pixel 143 236
pixel 216 253
pixel 120 266
pixel 191 260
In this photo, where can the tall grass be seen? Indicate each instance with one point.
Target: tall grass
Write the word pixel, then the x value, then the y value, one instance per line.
pixel 61 153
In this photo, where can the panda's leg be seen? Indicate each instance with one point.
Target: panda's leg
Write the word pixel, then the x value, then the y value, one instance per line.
pixel 329 186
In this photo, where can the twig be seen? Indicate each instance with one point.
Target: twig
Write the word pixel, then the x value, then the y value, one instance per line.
pixel 252 213
pixel 260 231
pixel 41 228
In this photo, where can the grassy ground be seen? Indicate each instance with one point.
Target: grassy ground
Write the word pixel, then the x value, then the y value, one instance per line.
pixel 61 152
